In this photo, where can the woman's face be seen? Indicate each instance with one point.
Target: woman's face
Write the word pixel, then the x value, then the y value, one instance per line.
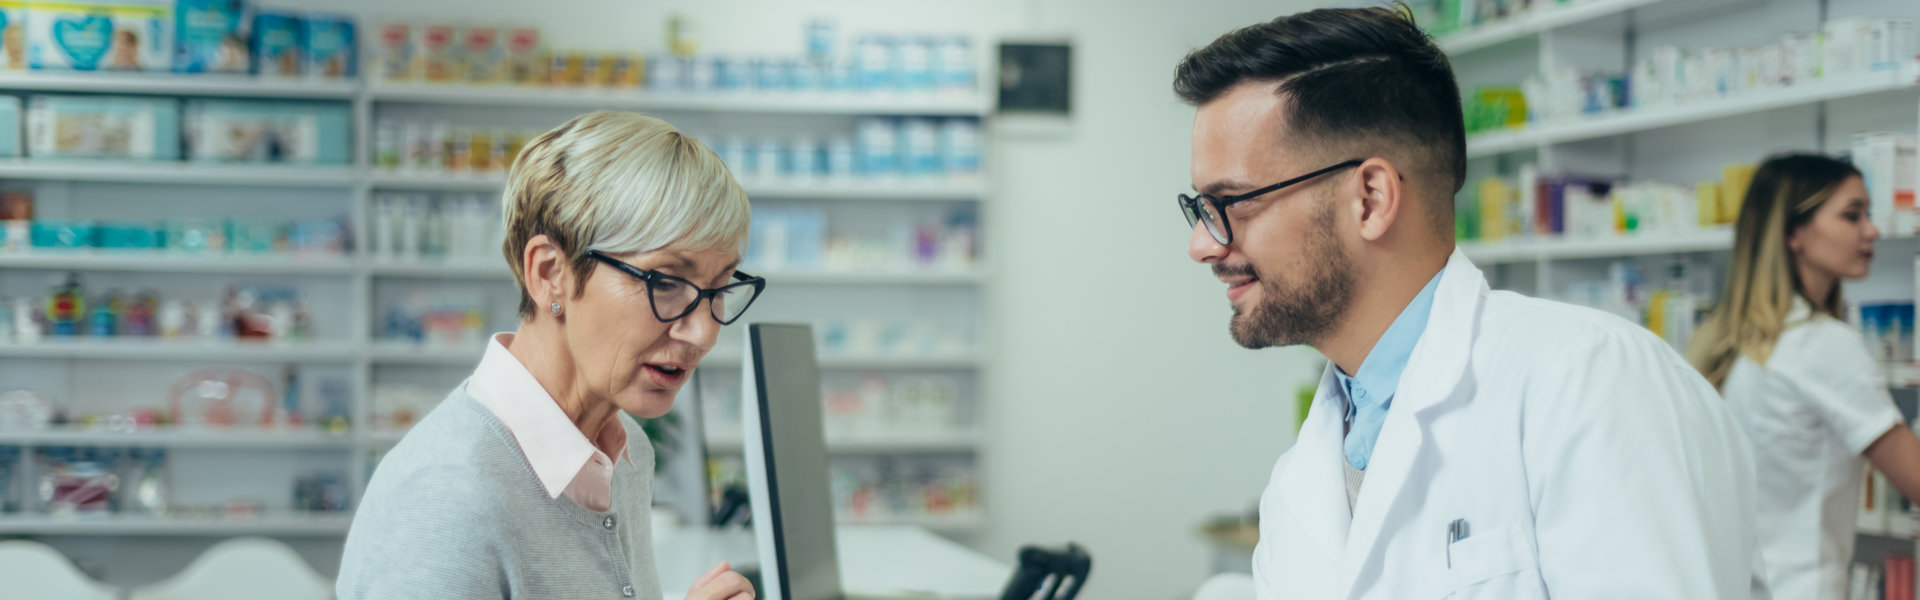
pixel 621 350
pixel 1838 241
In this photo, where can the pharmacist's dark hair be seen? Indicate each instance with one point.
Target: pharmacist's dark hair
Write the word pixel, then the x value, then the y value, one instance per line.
pixel 1358 80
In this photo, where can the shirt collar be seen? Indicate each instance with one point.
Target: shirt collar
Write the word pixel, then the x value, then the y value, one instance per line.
pixel 1380 371
pixel 554 447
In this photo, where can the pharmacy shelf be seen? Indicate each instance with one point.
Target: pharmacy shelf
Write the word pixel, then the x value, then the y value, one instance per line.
pixel 1646 119
pixel 731 358
pixel 1528 250
pixel 287 524
pixel 1898 527
pixel 921 190
pixel 492 269
pixel 870 277
pixel 161 262
pixel 172 84
pixel 179 438
pixel 792 104
pixel 172 172
pixel 1902 375
pixel 894 443
pixel 1547 17
pixel 178 350
pixel 968 522
pixel 401 353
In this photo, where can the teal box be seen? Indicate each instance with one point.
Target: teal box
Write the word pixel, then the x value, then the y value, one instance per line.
pixel 332 49
pixel 10 113
pixel 62 235
pixel 211 36
pixel 120 127
pixel 252 131
pixel 126 235
pixel 279 45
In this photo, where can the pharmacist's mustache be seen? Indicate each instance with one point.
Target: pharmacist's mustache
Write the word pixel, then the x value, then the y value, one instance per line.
pixel 1224 271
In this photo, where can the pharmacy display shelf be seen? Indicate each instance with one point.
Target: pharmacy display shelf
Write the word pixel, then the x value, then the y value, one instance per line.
pixel 496 269
pixel 1897 526
pixel 169 84
pixel 406 353
pixel 930 104
pixel 1902 375
pixel 890 443
pixel 122 348
pixel 907 190
pixel 963 522
pixel 280 524
pixel 1647 119
pixel 176 172
pixel 1547 17
pixel 164 262
pixel 730 357
pixel 1528 250
pixel 170 437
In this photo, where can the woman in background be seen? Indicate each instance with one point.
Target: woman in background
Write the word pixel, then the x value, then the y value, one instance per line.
pixel 529 480
pixel 1798 377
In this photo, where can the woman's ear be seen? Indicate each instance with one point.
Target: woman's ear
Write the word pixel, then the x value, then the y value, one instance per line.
pixel 546 272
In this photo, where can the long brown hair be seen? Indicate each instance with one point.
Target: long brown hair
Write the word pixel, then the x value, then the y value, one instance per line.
pixel 1762 281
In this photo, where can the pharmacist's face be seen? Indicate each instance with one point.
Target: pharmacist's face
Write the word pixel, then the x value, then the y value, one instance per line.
pixel 622 350
pixel 1838 240
pixel 1286 273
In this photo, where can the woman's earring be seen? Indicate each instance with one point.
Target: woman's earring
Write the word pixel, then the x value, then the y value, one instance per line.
pixel 555 308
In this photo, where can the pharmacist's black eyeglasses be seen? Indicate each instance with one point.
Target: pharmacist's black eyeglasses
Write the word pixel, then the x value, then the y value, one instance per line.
pixel 1213 211
pixel 673 297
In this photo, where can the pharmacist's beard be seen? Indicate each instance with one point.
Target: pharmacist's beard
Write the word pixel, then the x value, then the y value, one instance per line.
pixel 1308 309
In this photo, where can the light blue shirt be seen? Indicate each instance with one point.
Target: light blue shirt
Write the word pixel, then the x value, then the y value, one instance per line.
pixel 1371 392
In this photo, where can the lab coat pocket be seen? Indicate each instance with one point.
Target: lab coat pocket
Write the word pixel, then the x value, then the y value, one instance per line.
pixel 1498 563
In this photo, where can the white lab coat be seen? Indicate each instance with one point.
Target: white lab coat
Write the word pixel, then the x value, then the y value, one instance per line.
pixel 1586 457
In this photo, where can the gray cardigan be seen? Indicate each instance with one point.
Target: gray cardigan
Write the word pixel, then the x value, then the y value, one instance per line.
pixel 454 511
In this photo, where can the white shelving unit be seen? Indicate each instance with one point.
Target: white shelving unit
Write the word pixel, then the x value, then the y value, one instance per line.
pixel 1534 22
pixel 306 438
pixel 274 524
pixel 1550 249
pixel 365 359
pixel 950 442
pixel 1627 122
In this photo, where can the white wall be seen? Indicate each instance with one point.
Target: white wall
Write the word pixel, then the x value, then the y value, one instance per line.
pixel 1120 412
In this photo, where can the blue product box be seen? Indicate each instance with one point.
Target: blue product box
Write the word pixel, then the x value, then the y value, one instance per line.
pixel 210 36
pixel 255 131
pixel 332 48
pixel 100 35
pixel 61 234
pixel 278 45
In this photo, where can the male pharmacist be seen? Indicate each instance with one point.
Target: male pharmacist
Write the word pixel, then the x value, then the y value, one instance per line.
pixel 1463 443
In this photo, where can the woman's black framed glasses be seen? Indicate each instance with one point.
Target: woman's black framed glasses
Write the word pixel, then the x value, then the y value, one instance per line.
pixel 1207 209
pixel 673 298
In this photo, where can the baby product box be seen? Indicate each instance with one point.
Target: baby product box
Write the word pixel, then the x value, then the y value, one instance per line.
pixel 439 48
pixel 277 45
pixel 304 133
pixel 210 36
pixel 332 50
pixel 396 52
pixel 13 34
pixel 103 127
pixel 483 56
pixel 98 35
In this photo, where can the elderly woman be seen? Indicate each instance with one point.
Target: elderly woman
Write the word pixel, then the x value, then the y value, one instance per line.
pixel 527 481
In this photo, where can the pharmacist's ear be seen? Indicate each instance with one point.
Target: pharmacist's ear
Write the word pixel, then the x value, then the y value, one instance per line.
pixel 544 265
pixel 1379 197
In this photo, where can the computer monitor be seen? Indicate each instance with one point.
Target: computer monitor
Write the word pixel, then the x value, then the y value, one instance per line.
pixel 786 456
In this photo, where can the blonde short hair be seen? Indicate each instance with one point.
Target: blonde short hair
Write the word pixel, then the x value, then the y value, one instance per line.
pixel 618 182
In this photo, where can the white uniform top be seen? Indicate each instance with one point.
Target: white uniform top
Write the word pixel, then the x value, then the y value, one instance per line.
pixel 1810 412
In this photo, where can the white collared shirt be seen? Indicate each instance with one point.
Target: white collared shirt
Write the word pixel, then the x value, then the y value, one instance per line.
pixel 564 460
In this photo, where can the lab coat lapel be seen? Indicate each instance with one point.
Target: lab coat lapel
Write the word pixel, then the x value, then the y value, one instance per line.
pixel 1438 362
pixel 1313 487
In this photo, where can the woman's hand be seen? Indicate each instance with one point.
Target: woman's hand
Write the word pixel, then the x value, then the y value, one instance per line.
pixel 721 584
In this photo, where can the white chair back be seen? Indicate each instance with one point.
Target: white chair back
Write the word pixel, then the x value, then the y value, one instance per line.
pixel 36 570
pixel 243 568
